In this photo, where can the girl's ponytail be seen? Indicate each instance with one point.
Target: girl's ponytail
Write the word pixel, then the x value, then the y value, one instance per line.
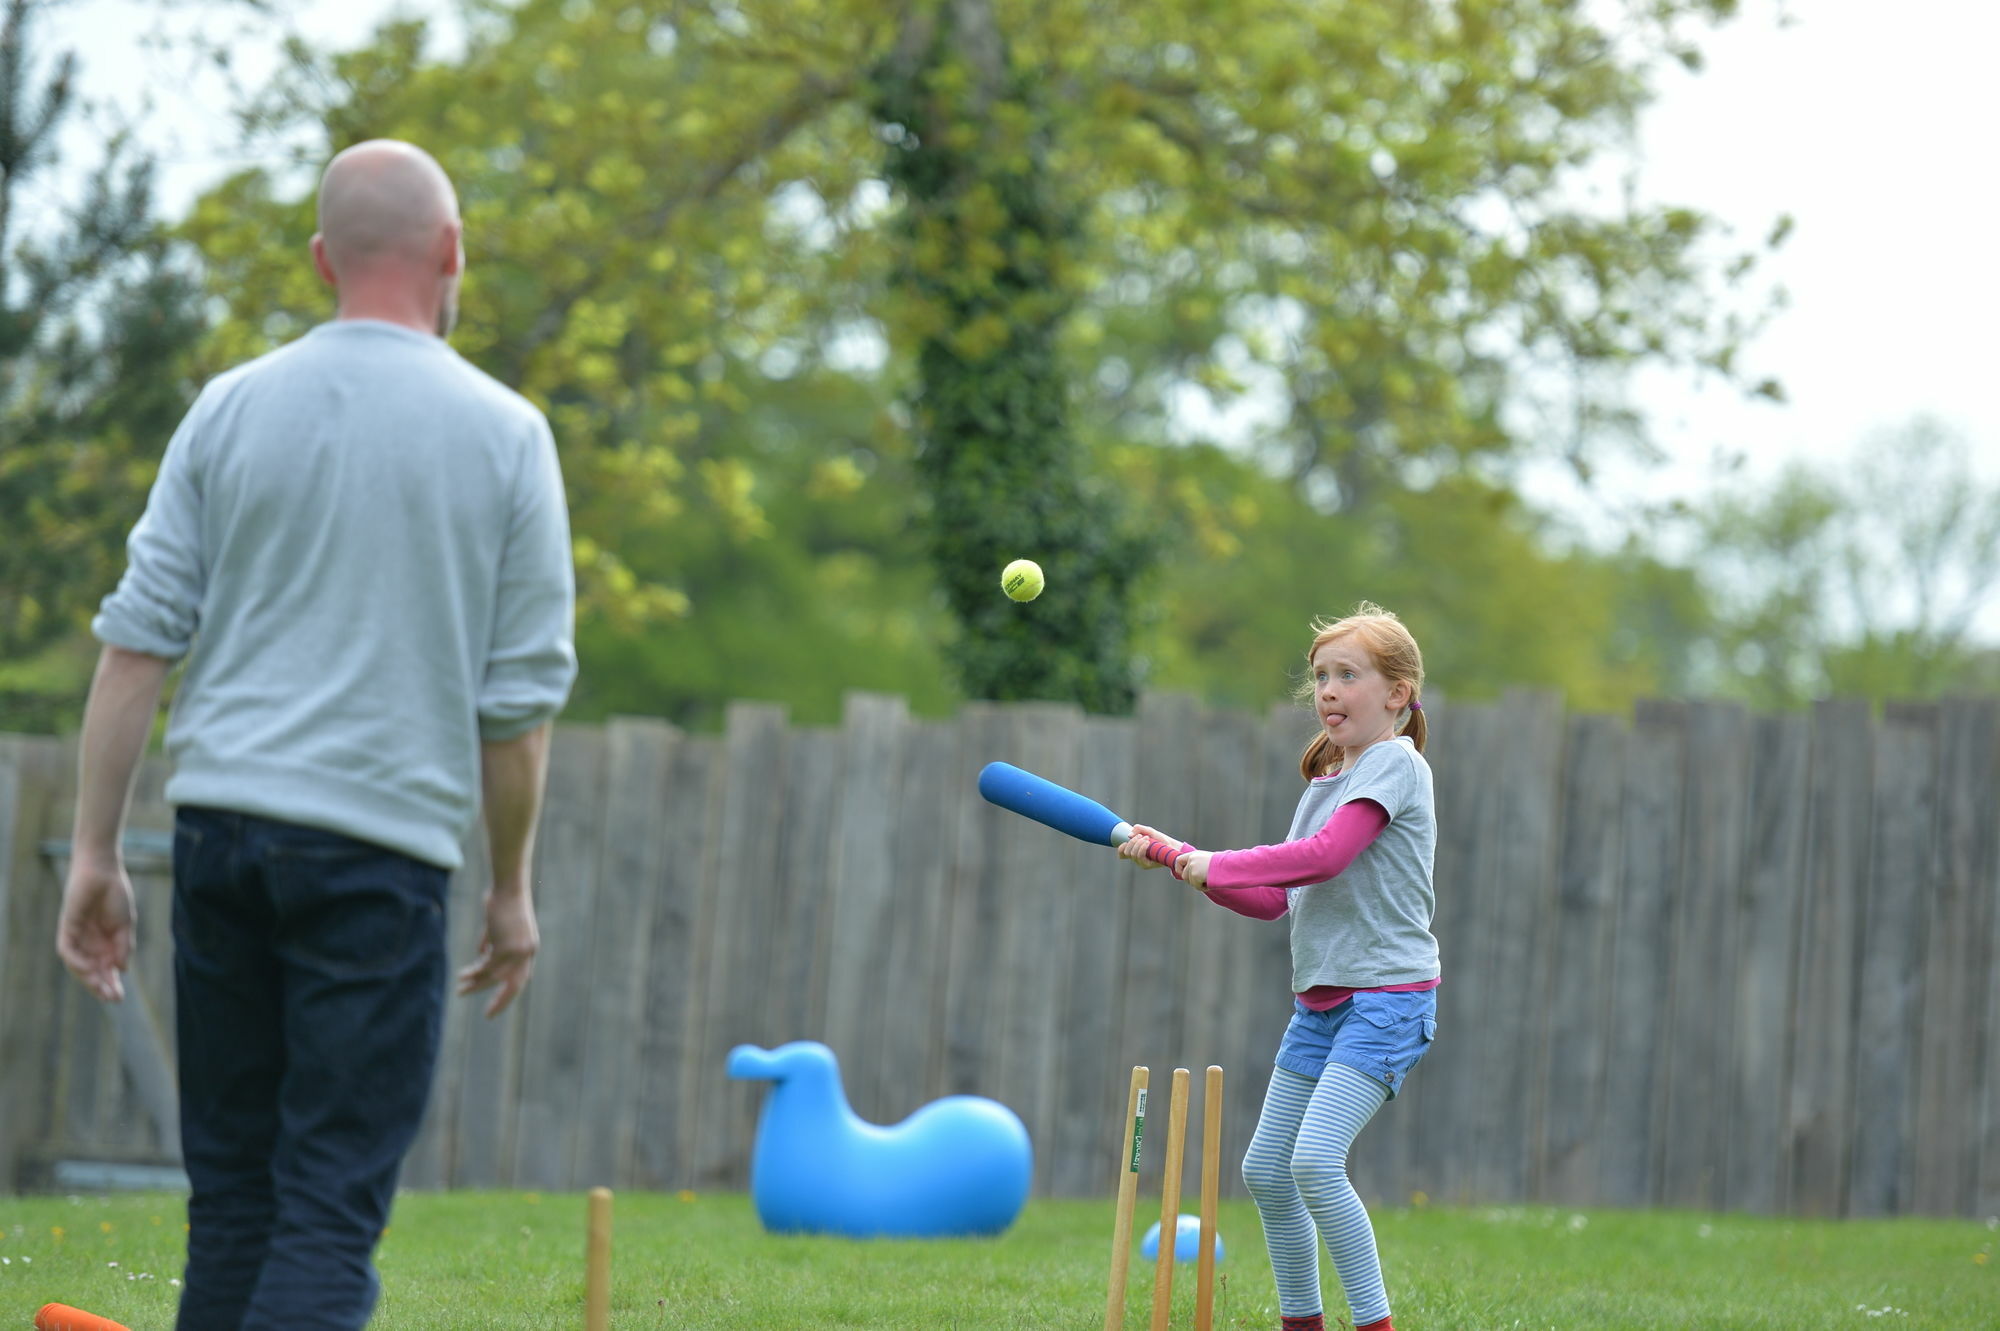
pixel 1319 757
pixel 1417 727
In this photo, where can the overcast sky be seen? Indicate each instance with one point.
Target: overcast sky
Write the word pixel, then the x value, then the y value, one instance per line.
pixel 1864 120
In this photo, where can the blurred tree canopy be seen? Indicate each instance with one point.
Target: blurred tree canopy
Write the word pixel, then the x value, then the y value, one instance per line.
pixel 97 326
pixel 1866 577
pixel 836 306
pixel 816 292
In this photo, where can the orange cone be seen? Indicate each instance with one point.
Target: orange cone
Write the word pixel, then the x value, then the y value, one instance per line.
pixel 62 1317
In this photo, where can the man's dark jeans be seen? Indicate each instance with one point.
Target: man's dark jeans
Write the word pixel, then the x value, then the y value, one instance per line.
pixel 309 973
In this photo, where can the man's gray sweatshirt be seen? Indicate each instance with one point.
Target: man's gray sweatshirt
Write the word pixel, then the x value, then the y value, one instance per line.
pixel 360 541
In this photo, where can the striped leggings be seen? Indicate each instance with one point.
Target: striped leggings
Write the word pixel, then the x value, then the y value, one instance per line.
pixel 1296 1169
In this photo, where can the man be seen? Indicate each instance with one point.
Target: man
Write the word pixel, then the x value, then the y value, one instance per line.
pixel 361 545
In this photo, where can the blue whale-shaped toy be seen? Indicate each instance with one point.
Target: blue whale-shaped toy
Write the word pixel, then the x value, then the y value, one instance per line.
pixel 959 1166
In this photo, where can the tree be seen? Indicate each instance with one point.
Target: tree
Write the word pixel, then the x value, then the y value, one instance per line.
pixel 96 319
pixel 1009 227
pixel 1869 578
pixel 984 240
pixel 1252 562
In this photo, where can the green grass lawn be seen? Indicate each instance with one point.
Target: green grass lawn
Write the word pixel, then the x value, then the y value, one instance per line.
pixel 515 1260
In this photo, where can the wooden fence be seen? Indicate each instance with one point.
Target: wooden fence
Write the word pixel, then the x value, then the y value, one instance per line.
pixel 1695 957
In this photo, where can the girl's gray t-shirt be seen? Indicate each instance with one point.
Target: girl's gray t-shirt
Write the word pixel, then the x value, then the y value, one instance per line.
pixel 1371 926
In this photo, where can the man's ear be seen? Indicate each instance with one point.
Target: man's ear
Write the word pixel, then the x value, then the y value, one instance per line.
pixel 454 247
pixel 321 264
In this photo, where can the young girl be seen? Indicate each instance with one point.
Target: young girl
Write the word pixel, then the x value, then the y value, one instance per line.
pixel 1354 875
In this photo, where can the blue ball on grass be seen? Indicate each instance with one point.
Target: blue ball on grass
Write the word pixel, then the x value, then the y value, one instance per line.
pixel 1187 1240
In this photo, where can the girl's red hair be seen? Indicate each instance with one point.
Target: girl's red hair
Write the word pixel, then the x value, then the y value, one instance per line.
pixel 1394 653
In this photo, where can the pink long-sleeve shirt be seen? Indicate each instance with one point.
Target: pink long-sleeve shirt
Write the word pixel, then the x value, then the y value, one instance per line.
pixel 1254 882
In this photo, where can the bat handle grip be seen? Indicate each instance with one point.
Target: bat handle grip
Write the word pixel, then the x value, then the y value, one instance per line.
pixel 1165 852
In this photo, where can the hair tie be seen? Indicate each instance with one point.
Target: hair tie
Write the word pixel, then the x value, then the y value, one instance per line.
pixel 1416 706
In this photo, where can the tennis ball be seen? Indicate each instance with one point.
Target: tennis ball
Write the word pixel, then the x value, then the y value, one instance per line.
pixel 1022 579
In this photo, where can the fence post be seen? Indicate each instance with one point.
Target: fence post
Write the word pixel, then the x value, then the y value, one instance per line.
pixel 1956 1039
pixel 1819 1124
pixel 34 782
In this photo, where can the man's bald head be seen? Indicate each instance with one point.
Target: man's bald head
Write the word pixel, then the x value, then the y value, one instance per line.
pixel 389 236
pixel 386 202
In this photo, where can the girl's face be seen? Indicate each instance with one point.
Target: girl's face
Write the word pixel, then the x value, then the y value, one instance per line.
pixel 1357 703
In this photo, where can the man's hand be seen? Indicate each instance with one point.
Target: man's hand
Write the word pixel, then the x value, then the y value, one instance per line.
pixel 94 935
pixel 506 950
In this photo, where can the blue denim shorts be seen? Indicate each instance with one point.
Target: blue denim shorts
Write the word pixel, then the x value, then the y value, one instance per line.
pixel 1379 1035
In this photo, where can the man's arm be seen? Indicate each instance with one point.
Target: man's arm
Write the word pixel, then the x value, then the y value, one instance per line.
pixel 512 775
pixel 94 934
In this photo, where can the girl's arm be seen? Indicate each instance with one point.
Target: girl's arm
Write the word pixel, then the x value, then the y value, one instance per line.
pixel 1323 855
pixel 1259 903
pixel 1253 882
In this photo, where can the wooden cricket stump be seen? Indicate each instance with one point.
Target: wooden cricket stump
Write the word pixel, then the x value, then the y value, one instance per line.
pixel 597 1263
pixel 1128 1195
pixel 1170 1199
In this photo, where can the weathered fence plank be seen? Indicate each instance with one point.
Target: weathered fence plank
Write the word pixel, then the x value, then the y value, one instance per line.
pixel 1700 958
pixel 862 897
pixel 1819 1123
pixel 794 966
pixel 11 748
pixel 735 926
pixel 1580 957
pixel 1466 752
pixel 934 759
pixel 1978 856
pixel 1522 850
pixel 1650 845
pixel 1903 858
pixel 1695 1131
pixel 31 978
pixel 1766 910
pixel 1954 1040
pixel 636 756
pixel 977 897
pixel 663 1141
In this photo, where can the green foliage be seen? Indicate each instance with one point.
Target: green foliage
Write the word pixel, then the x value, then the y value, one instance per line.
pixel 95 321
pixel 1867 578
pixel 982 245
pixel 803 578
pixel 655 257
pixel 1252 564
pixel 727 247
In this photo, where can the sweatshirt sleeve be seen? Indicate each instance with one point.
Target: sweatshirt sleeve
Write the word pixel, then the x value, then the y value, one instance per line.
pixel 532 661
pixel 1314 859
pixel 156 607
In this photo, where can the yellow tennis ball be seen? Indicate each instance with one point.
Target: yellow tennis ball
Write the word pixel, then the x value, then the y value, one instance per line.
pixel 1022 579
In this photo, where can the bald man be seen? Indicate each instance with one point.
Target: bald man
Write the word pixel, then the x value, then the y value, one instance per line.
pixel 359 544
